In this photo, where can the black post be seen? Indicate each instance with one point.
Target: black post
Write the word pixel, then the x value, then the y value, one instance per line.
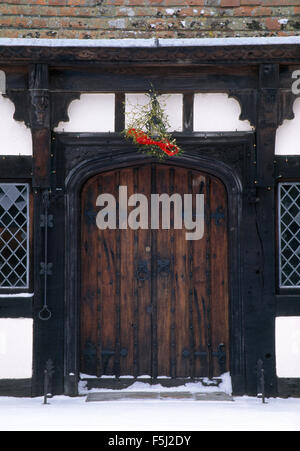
pixel 48 373
pixel 261 381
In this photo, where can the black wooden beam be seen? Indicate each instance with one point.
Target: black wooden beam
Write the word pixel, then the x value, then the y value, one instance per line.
pixel 39 360
pixel 48 335
pixel 15 307
pixel 288 53
pixel 15 167
pixel 119 112
pixel 188 113
pixel 287 168
pixel 288 305
pixel 19 388
pixel 289 387
pixel 267 123
pixel 40 124
pixel 196 138
pixel 259 239
pixel 165 79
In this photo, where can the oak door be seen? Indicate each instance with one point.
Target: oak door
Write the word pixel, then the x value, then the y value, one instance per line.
pixel 152 302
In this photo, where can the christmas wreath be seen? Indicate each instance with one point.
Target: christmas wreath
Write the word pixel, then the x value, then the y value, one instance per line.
pixel 148 129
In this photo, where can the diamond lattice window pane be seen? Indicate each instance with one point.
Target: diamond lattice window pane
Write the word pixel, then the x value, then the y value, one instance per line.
pixel 14 235
pixel 289 235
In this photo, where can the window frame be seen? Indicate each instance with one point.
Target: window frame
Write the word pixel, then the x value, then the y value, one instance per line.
pixel 7 292
pixel 282 288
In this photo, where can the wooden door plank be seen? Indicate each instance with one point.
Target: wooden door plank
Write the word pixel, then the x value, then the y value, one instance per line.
pixel 219 270
pixel 181 285
pixel 163 284
pixel 143 246
pixel 207 300
pixel 199 281
pixel 154 285
pixel 107 284
pixel 128 287
pixel 89 270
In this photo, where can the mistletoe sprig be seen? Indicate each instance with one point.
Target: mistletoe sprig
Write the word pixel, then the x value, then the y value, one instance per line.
pixel 148 129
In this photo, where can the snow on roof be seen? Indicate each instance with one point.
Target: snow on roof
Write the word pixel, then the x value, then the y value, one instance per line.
pixel 204 42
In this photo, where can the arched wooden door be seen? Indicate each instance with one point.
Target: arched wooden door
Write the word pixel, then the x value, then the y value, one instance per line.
pixel 152 302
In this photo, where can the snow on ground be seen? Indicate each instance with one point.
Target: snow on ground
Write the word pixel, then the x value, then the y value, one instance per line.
pixel 74 414
pixel 207 386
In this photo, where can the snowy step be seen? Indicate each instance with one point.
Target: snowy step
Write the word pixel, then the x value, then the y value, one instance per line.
pixel 142 395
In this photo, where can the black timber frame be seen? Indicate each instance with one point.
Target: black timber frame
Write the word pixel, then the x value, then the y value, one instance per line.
pixel 42 81
pixel 86 156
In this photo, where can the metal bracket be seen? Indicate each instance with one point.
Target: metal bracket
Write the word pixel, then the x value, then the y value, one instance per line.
pixel 218 215
pixel 124 352
pixel 48 374
pixel 221 356
pixel 49 220
pixel 261 381
pixel 164 267
pixel 46 269
pixel 90 216
pixel 142 273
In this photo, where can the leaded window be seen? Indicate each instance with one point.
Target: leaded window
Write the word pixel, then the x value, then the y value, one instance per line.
pixel 14 236
pixel 289 235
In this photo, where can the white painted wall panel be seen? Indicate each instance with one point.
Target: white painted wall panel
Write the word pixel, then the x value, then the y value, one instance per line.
pixel 171 103
pixel 174 110
pixel 91 113
pixel 288 346
pixel 288 134
pixel 16 339
pixel 16 347
pixel 15 137
pixel 216 112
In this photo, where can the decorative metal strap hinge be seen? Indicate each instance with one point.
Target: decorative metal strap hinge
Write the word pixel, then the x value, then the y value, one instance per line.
pixel 164 267
pixel 218 215
pixel 221 356
pixel 142 272
pixel 49 220
pixel 46 268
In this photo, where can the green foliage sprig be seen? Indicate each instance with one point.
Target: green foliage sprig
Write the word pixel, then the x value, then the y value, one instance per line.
pixel 152 120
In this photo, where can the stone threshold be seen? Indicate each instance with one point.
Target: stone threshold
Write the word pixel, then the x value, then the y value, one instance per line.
pixel 172 395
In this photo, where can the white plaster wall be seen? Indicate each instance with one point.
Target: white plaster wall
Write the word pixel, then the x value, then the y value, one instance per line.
pixel 216 112
pixel 213 112
pixel 171 103
pixel 288 134
pixel 91 113
pixel 16 340
pixel 2 82
pixel 15 137
pixel 288 346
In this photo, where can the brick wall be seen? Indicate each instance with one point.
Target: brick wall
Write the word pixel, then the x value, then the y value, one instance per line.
pixel 96 19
